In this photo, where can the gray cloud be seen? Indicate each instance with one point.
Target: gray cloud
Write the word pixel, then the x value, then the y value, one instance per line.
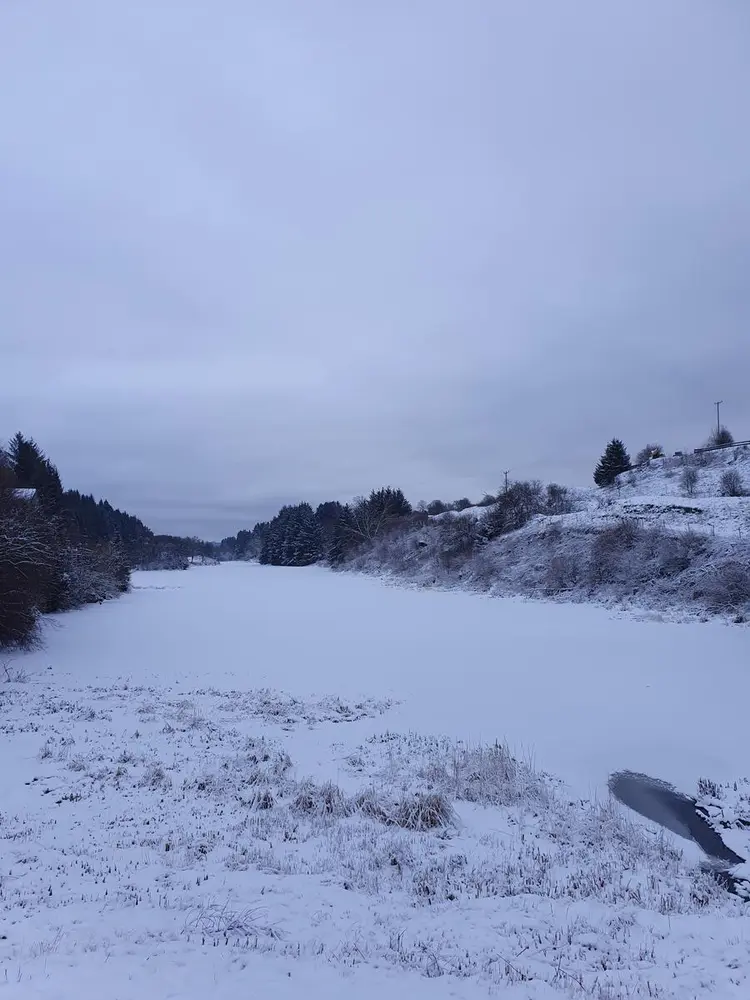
pixel 253 253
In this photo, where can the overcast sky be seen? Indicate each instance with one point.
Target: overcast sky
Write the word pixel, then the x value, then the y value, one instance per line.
pixel 253 253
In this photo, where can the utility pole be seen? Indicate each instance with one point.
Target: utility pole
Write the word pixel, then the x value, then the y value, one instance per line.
pixel 718 419
pixel 506 479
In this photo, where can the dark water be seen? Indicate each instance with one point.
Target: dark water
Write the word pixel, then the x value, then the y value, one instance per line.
pixel 661 802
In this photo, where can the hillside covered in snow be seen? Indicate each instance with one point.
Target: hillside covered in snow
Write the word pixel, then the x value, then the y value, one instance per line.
pixel 671 535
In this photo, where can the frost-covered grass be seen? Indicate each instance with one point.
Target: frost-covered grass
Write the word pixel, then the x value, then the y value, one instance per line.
pixel 159 828
pixel 180 818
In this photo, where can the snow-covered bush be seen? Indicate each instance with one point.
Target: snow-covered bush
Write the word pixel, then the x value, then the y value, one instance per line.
pixel 458 539
pixel 563 572
pixel 677 552
pixel 727 586
pixel 650 451
pixel 731 484
pixel 92 575
pixel 559 500
pixel 607 562
pixel 28 562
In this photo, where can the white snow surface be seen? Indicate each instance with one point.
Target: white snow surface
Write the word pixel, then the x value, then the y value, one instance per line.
pixel 205 784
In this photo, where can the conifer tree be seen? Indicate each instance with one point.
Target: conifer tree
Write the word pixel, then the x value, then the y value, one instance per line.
pixel 614 461
pixel 306 536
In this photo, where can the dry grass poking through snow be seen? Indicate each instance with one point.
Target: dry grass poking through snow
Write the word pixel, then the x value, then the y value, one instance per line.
pixel 145 821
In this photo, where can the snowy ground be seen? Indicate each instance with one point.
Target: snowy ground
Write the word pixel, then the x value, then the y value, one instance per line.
pixel 227 782
pixel 654 496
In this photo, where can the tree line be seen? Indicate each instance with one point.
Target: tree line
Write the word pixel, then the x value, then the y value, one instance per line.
pixel 62 549
pixel 299 535
pixel 333 532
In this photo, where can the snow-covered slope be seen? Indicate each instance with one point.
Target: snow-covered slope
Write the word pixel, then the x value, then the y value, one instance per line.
pixel 663 538
pixel 656 494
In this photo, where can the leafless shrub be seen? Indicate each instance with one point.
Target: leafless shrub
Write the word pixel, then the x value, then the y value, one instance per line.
pixel 457 540
pixel 608 549
pixel 689 480
pixel 563 573
pixel 678 552
pixel 731 484
pixel 393 549
pixel 14 675
pixel 727 586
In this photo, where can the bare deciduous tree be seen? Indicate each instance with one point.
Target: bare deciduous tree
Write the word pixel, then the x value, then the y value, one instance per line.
pixel 689 480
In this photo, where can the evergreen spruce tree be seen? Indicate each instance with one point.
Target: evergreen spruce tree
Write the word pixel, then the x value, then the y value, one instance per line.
pixel 335 529
pixel 286 531
pixel 389 503
pixel 269 549
pixel 339 541
pixel 614 461
pixel 34 470
pixel 7 473
pixel 306 536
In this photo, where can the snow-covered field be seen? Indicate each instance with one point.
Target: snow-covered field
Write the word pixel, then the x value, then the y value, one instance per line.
pixel 252 781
